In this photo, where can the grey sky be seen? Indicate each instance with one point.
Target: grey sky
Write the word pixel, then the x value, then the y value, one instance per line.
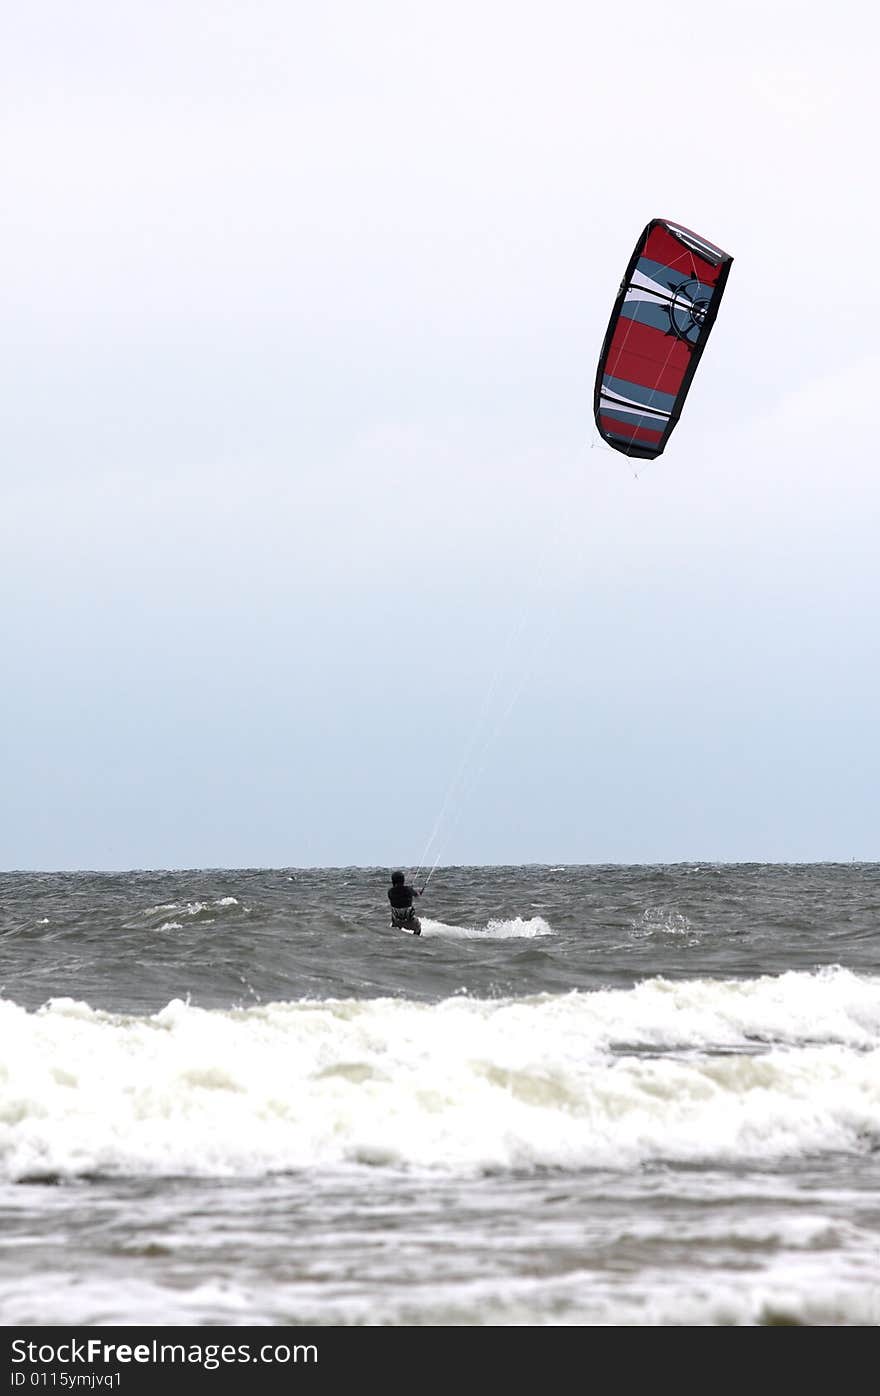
pixel 310 550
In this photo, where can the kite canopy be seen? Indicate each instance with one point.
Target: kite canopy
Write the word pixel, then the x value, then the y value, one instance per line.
pixel 662 317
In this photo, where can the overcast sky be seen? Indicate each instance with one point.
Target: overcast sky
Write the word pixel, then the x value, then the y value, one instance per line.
pixel 310 553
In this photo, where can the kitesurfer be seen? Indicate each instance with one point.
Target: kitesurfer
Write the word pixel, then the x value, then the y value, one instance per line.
pixel 401 896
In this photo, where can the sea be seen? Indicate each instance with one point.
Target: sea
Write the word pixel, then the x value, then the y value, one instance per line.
pixel 621 1096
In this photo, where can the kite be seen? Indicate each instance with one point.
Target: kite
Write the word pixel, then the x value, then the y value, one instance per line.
pixel 662 317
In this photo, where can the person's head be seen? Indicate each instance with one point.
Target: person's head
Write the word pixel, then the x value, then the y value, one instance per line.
pixel 397 879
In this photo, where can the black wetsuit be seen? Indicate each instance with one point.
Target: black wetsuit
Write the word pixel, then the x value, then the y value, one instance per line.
pixel 403 915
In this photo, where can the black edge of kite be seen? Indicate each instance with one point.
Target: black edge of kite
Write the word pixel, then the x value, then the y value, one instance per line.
pixel 726 262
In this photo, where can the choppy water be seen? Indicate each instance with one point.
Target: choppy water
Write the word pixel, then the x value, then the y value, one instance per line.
pixel 586 1095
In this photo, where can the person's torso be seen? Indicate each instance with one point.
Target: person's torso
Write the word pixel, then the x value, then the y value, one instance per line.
pixel 400 896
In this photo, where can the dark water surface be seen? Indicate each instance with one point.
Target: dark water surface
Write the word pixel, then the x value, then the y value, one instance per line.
pixel 586 1095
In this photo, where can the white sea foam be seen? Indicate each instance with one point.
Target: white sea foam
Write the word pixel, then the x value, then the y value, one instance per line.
pixel 786 1293
pixel 517 928
pixel 694 1071
pixel 660 920
pixel 190 908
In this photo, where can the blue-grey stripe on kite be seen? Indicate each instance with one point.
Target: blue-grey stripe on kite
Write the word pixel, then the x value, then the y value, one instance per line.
pixel 657 314
pixel 626 436
pixel 657 271
pixel 646 312
pixel 650 397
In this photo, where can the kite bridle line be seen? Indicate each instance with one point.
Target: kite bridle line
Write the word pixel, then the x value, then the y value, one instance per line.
pixel 430 875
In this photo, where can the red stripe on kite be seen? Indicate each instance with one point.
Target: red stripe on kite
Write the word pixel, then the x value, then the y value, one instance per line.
pixel 630 433
pixel 641 354
pixel 662 247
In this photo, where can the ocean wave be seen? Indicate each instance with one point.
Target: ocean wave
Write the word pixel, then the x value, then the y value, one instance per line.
pixel 694 1072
